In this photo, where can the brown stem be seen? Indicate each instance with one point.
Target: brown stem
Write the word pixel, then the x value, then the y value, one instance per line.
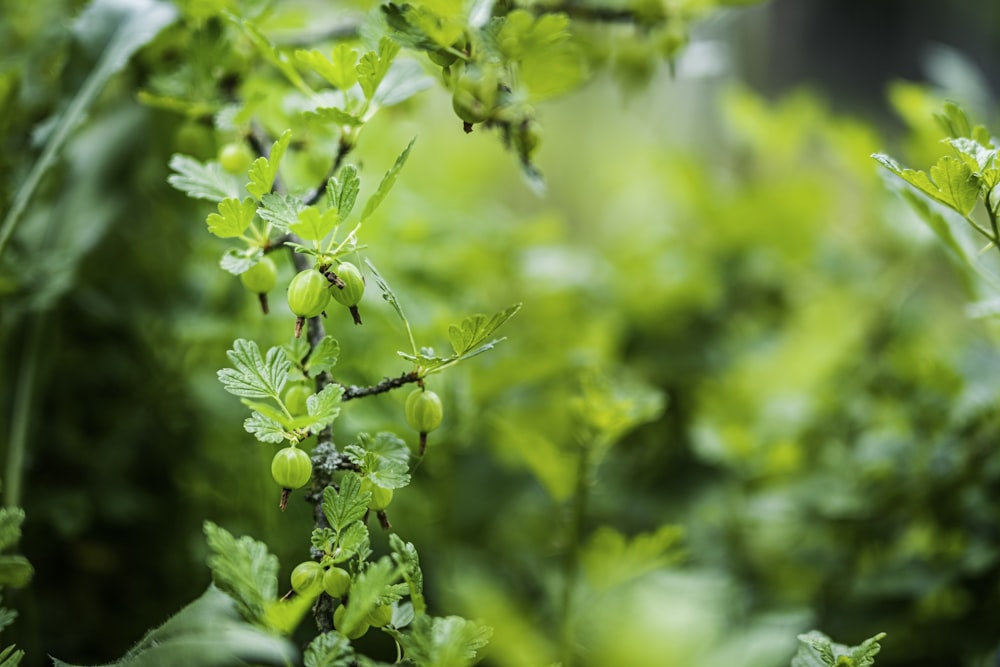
pixel 355 314
pixel 262 297
pixel 388 384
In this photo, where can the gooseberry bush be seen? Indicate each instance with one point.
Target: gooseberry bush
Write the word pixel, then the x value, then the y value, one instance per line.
pixel 284 199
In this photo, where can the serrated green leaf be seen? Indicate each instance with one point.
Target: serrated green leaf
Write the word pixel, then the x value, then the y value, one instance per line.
pixel 319 63
pixel 958 186
pixel 549 63
pixel 280 210
pixel 203 180
pixel 954 121
pixel 313 225
pixel 254 376
pixel 285 614
pixel 324 356
pixel 374 65
pixel 406 557
pixel 330 649
pixel 244 569
pixel 818 650
pixel 324 407
pixel 346 505
pixel 609 559
pixel 353 541
pixel 11 656
pixel 343 189
pixel 385 185
pixel 15 571
pixel 322 538
pixel 265 169
pixel 334 116
pixel 953 183
pixel 269 411
pixel 233 218
pixel 209 632
pixel 345 62
pixel 370 588
pixel 11 519
pixel 238 260
pixel 451 641
pixel 264 429
pixel 474 331
pixel 384 459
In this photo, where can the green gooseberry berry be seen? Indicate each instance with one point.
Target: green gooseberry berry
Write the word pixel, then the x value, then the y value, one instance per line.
pixel 307 578
pixel 307 296
pixel 295 398
pixel 336 582
pixel 423 413
pixel 349 288
pixel 381 498
pixel 235 157
pixel 350 632
pixel 291 468
pixel 380 616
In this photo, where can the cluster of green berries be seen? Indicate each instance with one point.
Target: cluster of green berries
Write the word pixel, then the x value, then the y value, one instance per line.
pixel 310 578
pixel 310 291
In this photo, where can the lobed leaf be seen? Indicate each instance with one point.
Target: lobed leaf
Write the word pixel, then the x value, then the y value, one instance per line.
pixel 346 505
pixel 451 641
pixel 342 190
pixel 254 376
pixel 405 555
pixel 324 407
pixel 15 571
pixel 265 169
pixel 330 649
pixel 474 331
pixel 374 65
pixel 280 210
pixel 233 218
pixel 11 519
pixel 244 569
pixel 324 356
pixel 951 181
pixel 818 650
pixel 334 116
pixel 264 429
pixel 353 541
pixel 203 180
pixel 313 225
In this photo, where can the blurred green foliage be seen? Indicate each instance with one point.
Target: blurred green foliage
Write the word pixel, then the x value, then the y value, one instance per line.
pixel 743 397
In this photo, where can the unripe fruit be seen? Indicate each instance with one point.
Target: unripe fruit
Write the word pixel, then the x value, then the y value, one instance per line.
pixel 336 582
pixel 261 277
pixel 307 578
pixel 291 468
pixel 195 139
pixel 353 287
pixel 307 296
pixel 350 633
pixel 381 498
pixel 474 98
pixel 423 413
pixel 295 399
pixel 380 616
pixel 236 157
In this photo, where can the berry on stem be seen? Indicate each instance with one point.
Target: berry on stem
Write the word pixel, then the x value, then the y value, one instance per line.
pixel 423 413
pixel 291 469
pixel 307 578
pixel 260 279
pixel 350 632
pixel 307 296
pixel 336 582
pixel 348 287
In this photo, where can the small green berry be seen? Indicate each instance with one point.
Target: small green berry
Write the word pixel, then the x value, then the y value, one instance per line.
pixel 236 157
pixel 295 399
pixel 381 498
pixel 423 413
pixel 336 582
pixel 349 632
pixel 291 468
pixel 349 294
pixel 307 296
pixel 380 616
pixel 307 578
pixel 261 277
